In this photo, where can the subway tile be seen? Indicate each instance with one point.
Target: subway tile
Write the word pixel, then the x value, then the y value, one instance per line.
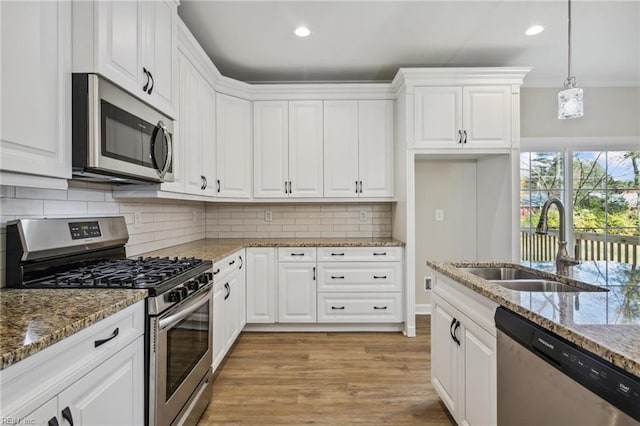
pixel 19 207
pixel 283 234
pixel 243 228
pixel 81 194
pixel 320 228
pixel 102 208
pixel 358 234
pixel 41 194
pixel 295 228
pixel 7 191
pixel 334 221
pixel 321 215
pixel 333 207
pixel 333 234
pixel 260 234
pixel 295 215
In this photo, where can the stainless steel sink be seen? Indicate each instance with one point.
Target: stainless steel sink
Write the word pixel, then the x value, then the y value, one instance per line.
pixel 538 285
pixel 494 274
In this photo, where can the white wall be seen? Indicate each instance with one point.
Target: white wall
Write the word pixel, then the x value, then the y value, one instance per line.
pixel 608 111
pixel 449 185
pixel 164 223
pixel 334 220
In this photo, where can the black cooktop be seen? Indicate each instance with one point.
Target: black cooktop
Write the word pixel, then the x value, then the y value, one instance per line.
pixel 143 273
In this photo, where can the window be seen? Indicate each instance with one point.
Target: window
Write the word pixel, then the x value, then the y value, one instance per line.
pixel 601 194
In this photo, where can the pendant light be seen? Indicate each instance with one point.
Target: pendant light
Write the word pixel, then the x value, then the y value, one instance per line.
pixel 570 102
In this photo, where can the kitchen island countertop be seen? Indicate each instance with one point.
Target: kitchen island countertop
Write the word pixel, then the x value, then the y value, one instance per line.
pixel 34 319
pixel 604 323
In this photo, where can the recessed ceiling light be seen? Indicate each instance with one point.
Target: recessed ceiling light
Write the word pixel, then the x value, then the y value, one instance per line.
pixel 534 29
pixel 302 32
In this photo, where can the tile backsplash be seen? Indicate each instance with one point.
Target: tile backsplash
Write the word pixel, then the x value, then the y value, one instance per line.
pixel 164 223
pixel 336 220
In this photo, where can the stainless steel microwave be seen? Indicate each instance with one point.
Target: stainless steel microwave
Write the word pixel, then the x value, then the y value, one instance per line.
pixel 117 138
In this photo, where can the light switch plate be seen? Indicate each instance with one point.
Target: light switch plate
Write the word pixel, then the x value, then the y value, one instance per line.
pixel 137 220
pixel 363 216
pixel 267 216
pixel 439 215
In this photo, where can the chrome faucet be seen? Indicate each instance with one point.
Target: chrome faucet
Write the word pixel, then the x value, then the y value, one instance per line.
pixel 563 260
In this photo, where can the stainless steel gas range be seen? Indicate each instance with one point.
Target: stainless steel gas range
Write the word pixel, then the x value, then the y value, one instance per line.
pixel 90 253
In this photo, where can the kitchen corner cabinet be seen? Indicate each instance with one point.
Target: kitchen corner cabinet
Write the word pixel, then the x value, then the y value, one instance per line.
pixel 195 155
pixel 261 285
pixel 233 147
pixel 75 382
pixel 463 353
pixel 358 148
pixel 463 117
pixel 132 43
pixel 229 312
pixel 35 107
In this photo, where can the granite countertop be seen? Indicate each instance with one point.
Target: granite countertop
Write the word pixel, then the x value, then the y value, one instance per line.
pixel 34 319
pixel 605 323
pixel 217 249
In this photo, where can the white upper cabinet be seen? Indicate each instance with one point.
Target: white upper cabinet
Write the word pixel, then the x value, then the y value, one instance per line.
pixel 305 149
pixel 271 149
pixel 358 148
pixel 132 43
pixel 196 137
pixel 375 148
pixel 463 116
pixel 341 149
pixel 486 116
pixel 35 106
pixel 233 147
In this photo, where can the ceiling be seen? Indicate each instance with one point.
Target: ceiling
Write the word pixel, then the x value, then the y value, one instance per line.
pixel 370 40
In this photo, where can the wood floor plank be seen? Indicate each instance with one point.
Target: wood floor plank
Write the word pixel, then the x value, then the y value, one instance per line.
pixel 327 379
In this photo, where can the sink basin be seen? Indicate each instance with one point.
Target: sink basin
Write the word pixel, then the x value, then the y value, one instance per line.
pixel 495 274
pixel 538 285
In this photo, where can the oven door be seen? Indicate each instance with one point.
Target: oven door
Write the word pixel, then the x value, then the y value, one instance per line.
pixel 180 358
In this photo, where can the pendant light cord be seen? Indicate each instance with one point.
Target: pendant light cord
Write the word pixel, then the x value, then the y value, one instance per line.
pixel 569 42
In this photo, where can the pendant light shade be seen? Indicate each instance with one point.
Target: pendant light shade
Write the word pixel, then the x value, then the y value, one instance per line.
pixel 570 99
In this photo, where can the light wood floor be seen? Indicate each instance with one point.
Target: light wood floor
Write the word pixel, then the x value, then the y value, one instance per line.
pixel 327 378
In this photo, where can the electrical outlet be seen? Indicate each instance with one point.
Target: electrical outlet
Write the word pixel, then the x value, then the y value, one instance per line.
pixel 267 216
pixel 439 215
pixel 427 283
pixel 137 219
pixel 363 216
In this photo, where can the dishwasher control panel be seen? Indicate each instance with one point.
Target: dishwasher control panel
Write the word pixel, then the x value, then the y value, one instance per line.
pixel 611 383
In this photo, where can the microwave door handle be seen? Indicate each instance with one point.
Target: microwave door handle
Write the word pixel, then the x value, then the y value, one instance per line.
pixel 167 140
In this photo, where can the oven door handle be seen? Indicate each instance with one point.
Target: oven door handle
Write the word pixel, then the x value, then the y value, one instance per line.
pixel 184 312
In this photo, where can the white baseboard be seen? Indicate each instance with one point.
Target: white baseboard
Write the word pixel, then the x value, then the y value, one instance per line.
pixel 424 309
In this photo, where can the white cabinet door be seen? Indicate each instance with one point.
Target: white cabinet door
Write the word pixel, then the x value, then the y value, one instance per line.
pixel 297 292
pixel 241 292
pixel 120 39
pixel 375 124
pixel 341 149
pixel 159 28
pixel 232 300
pixel 261 285
pixel 233 147
pixel 270 149
pixel 305 149
pixel 191 126
pixel 35 76
pixel 111 394
pixel 438 117
pixel 46 415
pixel 487 116
pixel 207 123
pixel 478 403
pixel 219 326
pixel 444 354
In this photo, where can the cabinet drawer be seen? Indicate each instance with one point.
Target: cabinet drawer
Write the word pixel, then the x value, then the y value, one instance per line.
pixel 359 307
pixel 359 254
pixel 297 254
pixel 227 265
pixel 359 276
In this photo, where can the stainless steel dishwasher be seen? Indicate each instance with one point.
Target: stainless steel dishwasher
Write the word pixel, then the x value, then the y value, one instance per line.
pixel 545 380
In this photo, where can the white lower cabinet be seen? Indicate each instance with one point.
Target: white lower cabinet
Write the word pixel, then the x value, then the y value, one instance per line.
pixel 463 354
pixel 297 292
pixel 261 285
pixel 80 381
pixel 229 313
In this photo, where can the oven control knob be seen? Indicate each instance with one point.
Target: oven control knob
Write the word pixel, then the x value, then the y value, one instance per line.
pixel 184 291
pixel 193 285
pixel 203 279
pixel 175 296
pixel 209 276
